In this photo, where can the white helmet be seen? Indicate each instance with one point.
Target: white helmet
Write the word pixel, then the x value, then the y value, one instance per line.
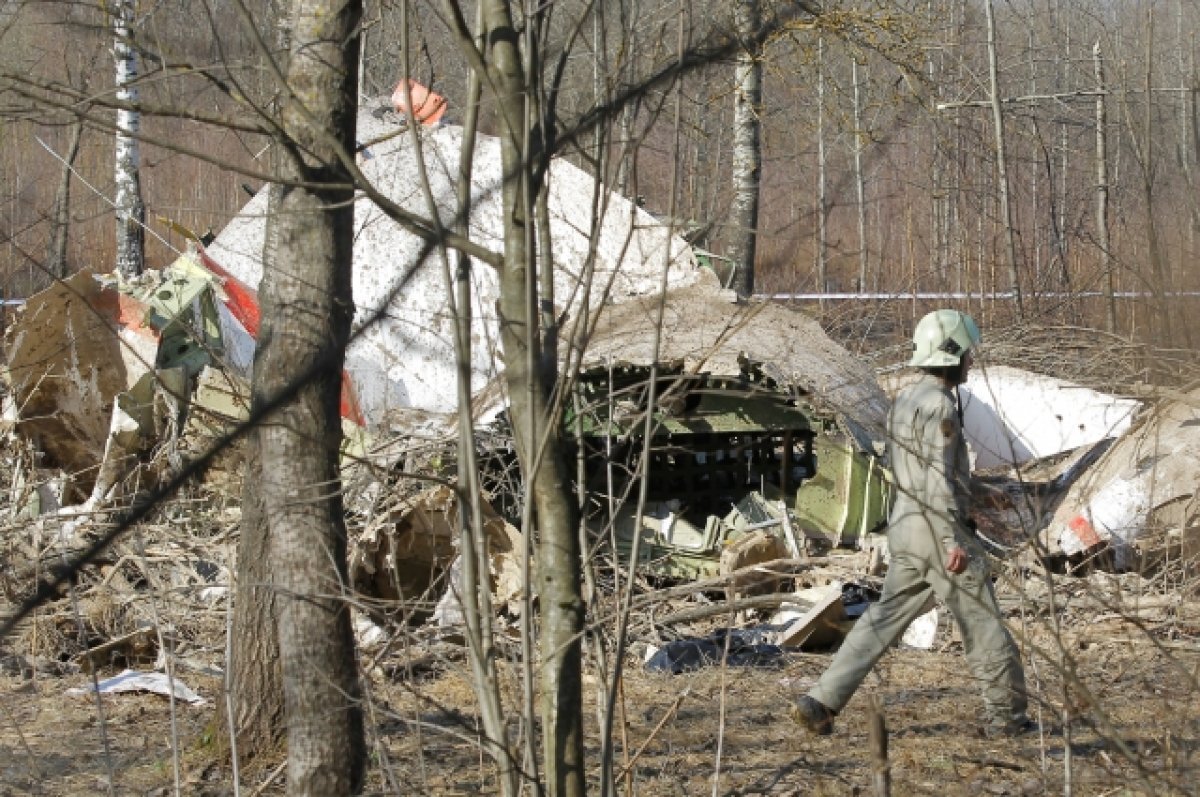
pixel 942 337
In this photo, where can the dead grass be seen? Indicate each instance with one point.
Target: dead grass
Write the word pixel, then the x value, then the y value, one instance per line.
pixel 426 739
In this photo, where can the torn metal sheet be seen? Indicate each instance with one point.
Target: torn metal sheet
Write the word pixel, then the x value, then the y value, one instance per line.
pixel 705 329
pixel 92 347
pixel 73 348
pixel 101 369
pixel 1149 474
pixel 1012 416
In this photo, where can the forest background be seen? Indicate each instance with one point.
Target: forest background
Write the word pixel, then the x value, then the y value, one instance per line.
pixel 881 157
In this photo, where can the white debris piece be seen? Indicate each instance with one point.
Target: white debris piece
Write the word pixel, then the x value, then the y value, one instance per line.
pixel 921 632
pixel 1152 467
pixel 367 633
pixel 406 359
pixel 134 681
pixel 1012 416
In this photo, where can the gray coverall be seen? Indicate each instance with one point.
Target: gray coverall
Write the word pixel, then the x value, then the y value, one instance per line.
pixel 932 472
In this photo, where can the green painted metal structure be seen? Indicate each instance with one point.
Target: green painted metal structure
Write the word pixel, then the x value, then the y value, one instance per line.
pixel 728 454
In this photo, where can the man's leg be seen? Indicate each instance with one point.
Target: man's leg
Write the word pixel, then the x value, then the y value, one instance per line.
pixel 904 595
pixel 991 653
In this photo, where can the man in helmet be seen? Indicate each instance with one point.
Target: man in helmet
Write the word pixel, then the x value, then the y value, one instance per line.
pixel 933 550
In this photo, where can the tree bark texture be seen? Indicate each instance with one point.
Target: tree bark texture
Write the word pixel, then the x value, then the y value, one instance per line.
pixel 538 434
pixel 307 294
pixel 256 699
pixel 860 191
pixel 747 148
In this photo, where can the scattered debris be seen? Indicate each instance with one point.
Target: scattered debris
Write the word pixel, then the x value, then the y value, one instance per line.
pixel 765 478
pixel 922 632
pixel 821 626
pixel 136 647
pixel 133 681
pixel 115 381
pixel 742 469
pixel 401 561
pixel 732 647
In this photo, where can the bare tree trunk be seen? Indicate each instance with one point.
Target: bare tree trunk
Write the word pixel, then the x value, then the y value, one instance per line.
pixel 959 230
pixel 1010 243
pixel 131 211
pixel 476 591
pixel 1102 236
pixel 1064 247
pixel 255 681
pixel 1193 121
pixel 536 429
pixel 60 224
pixel 859 183
pixel 1035 193
pixel 1185 148
pixel 308 295
pixel 747 147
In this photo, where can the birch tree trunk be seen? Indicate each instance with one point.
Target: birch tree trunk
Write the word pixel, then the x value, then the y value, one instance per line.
pixel 131 211
pixel 536 429
pixel 747 147
pixel 308 296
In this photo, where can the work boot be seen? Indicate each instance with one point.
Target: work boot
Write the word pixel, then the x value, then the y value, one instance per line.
pixel 1004 728
pixel 810 714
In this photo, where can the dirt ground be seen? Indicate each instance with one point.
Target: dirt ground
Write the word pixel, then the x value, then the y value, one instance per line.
pixel 1135 729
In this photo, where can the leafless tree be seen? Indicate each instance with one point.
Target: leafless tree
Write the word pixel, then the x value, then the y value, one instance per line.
pixel 307 296
pixel 747 147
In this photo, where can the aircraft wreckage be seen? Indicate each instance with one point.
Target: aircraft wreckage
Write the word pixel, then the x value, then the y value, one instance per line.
pixel 765 439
